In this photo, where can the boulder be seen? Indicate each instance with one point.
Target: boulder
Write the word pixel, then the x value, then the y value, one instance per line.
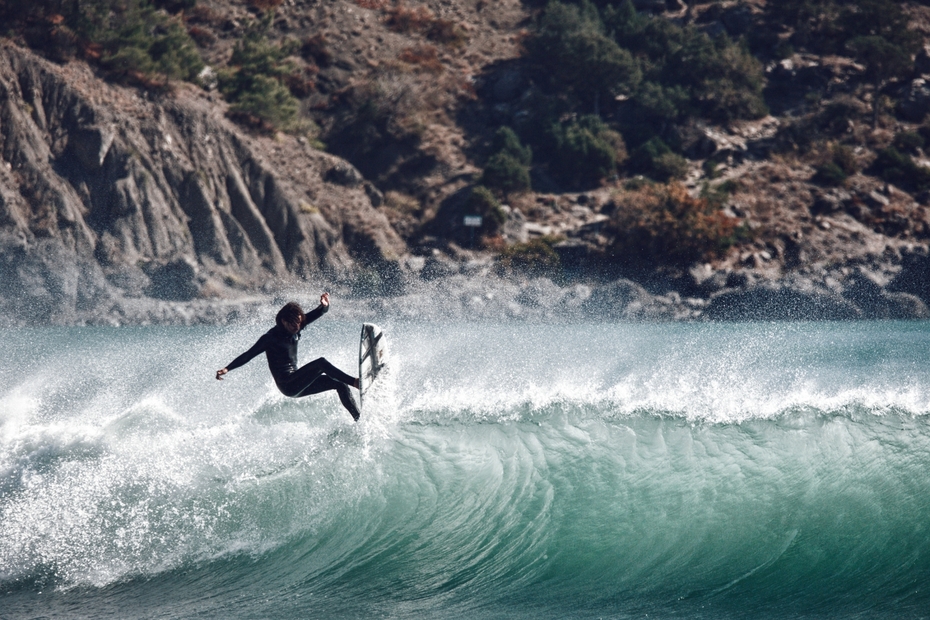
pixel 914 277
pixel 515 227
pixel 866 290
pixel 344 173
pixel 45 283
pixel 829 201
pixel 779 302
pixel 623 299
pixel 90 146
pixel 702 280
pixel 576 255
pixel 175 280
pixel 540 293
pixel 374 194
pixel 131 280
pixel 720 146
pixel 438 266
pixel 903 306
pixel 914 101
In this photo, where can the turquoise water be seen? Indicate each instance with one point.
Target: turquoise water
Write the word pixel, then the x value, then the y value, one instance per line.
pixel 499 471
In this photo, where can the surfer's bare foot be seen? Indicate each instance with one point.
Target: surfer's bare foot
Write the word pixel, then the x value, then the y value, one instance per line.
pixel 357 385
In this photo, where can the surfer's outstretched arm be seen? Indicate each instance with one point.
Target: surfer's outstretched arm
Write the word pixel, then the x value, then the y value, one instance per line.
pixel 245 358
pixel 317 312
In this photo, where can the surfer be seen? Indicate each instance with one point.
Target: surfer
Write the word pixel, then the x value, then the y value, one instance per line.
pixel 280 347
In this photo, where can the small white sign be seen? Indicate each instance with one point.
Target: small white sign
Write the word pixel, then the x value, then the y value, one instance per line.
pixel 473 221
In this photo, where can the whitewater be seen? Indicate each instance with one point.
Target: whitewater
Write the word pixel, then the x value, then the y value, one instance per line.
pixel 512 470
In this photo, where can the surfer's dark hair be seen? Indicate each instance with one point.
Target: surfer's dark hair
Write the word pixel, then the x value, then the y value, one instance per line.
pixel 291 312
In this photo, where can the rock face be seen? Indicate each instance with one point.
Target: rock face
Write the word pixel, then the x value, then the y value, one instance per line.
pixel 107 194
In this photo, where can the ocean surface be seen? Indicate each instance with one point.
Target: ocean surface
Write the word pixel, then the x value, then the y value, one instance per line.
pixel 750 470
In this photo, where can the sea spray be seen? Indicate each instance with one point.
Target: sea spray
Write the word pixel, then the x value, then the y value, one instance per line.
pixel 508 470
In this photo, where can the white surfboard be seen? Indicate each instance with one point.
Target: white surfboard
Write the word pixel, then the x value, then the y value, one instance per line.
pixel 372 349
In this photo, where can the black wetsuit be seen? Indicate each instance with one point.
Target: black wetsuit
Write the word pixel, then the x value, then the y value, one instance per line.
pixel 280 347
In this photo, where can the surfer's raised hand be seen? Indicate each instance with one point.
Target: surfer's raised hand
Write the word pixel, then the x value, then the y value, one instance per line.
pixel 324 300
pixel 220 373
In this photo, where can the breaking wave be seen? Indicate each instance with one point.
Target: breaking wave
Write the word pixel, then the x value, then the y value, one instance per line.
pixel 770 470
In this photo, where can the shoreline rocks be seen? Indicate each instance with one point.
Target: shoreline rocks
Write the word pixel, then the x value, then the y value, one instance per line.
pixel 476 294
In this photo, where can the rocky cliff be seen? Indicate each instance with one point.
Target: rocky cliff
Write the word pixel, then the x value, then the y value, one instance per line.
pixel 109 195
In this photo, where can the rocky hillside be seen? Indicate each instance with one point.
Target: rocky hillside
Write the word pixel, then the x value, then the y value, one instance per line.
pixel 111 194
pixel 126 198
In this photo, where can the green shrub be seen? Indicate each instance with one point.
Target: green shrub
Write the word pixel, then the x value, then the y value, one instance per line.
pixel 669 167
pixel 254 81
pixel 835 119
pixel 506 141
pixel 685 72
pixel 535 257
pixel 838 168
pixel 482 202
pixel 646 153
pixel 876 32
pixel 507 170
pixel 710 168
pixel 131 39
pixel 505 173
pixel 908 141
pixel 884 60
pixel 664 224
pixel 827 26
pixel 895 167
pixel 845 159
pixel 667 74
pixel 264 101
pixel 718 195
pixel 584 152
pixel 655 159
pixel 143 43
pixel 572 51
pixel 924 132
pixel 829 173
pixel 656 104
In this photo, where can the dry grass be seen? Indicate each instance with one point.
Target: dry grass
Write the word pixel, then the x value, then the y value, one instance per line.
pixel 302 82
pixel 265 5
pixel 665 222
pixel 202 14
pixel 407 20
pixel 373 5
pixel 446 32
pixel 425 57
pixel 204 37
pixel 402 203
pixel 316 49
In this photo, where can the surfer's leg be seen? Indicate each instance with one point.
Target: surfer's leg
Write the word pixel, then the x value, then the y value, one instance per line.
pixel 321 376
pixel 298 382
pixel 326 383
pixel 330 370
